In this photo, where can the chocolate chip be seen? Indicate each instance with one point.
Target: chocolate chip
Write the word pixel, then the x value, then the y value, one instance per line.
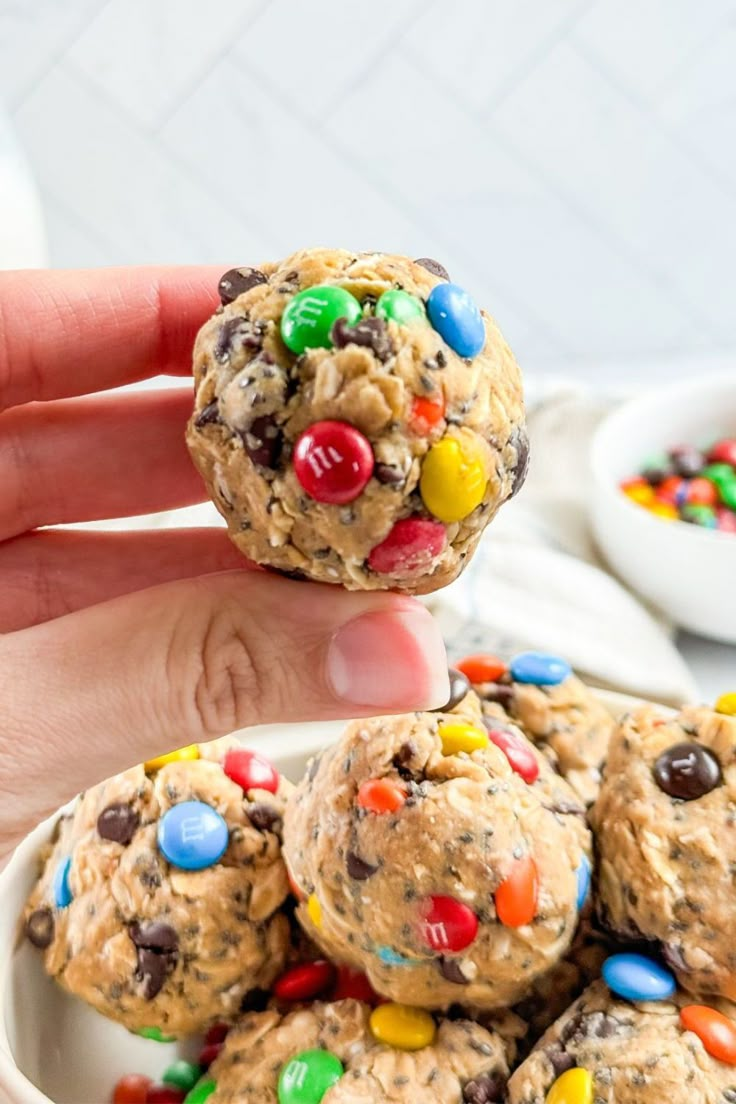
pixel 157 936
pixel 386 473
pixel 153 969
pixel 210 415
pixel 406 753
pixel 459 687
pixel 264 817
pixel 560 1060
pixel 451 971
pixel 562 808
pixel 358 868
pixel 520 443
pixel 238 280
pixel 500 693
pixel 371 333
pixel 687 771
pixel 655 476
pixel 489 1088
pixel 255 1001
pixel 40 928
pixel 118 823
pixel 263 441
pixel 239 332
pixel 687 461
pixel 434 267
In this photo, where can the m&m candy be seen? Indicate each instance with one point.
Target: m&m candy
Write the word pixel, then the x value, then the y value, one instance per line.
pixel 131 1089
pixel 456 318
pixel 401 307
pixel 411 546
pixel 202 1091
pixel 539 668
pixel 182 1075
pixel 192 835
pixel 726 704
pixel 308 318
pixel 448 924
pixel 304 982
pixel 686 485
pixel 155 1034
pixel 208 1053
pixel 402 1027
pixel 723 452
pixel 390 957
pixel 165 1094
pixel 458 736
pixel 184 754
pixel 60 887
pixel 454 478
pixel 583 874
pixel 308 1076
pixel 516 897
pixel 574 1086
pixel 521 757
pixel 716 1032
pixel 381 795
pixel 482 668
pixel 250 770
pixel 637 978
pixel 333 462
pixel 353 985
pixel 314 910
pixel 426 414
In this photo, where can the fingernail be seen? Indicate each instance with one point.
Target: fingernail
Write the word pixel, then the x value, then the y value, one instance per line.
pixel 391 660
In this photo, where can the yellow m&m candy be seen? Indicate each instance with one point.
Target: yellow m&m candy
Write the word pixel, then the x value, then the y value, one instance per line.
pixel 461 737
pixel 454 479
pixel 191 751
pixel 402 1027
pixel 727 704
pixel 314 910
pixel 575 1086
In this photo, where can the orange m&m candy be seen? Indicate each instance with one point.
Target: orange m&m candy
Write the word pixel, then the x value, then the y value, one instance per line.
pixel 716 1032
pixel 516 897
pixel 381 795
pixel 482 668
pixel 427 413
pixel 132 1089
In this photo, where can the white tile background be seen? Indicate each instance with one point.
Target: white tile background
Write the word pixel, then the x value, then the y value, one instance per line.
pixel 573 162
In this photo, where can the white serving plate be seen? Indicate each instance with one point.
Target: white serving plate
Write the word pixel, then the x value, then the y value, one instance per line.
pixel 53 1048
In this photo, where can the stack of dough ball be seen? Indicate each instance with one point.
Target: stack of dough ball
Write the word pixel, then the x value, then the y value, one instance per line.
pixel 272 1059
pixel 357 419
pixel 615 1051
pixel 664 824
pixel 554 709
pixel 449 865
pixel 154 945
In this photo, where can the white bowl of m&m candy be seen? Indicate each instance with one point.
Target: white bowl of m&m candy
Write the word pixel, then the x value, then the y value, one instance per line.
pixel 663 506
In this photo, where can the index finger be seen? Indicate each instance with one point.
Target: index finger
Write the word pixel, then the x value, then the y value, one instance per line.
pixel 71 333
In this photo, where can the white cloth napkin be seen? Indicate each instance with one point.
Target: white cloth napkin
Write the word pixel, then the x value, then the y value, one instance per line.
pixel 537 582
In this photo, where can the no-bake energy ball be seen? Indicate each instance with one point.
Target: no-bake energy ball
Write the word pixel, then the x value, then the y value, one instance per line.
pixel 642 1050
pixel 346 1053
pixel 159 901
pixel 665 825
pixel 447 862
pixel 358 420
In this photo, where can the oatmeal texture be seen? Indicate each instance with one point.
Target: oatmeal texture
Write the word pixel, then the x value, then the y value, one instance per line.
pixel 399 384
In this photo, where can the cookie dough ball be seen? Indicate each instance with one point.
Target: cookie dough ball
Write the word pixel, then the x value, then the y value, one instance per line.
pixel 353 1055
pixel 664 823
pixel 159 901
pixel 614 1051
pixel 357 419
pixel 554 709
pixel 437 860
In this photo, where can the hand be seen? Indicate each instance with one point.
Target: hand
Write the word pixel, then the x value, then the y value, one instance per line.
pixel 118 646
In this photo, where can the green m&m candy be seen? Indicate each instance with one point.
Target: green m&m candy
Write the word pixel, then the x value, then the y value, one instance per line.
pixel 400 306
pixel 719 474
pixel 156 1034
pixel 201 1092
pixel 306 1078
pixel 182 1075
pixel 308 318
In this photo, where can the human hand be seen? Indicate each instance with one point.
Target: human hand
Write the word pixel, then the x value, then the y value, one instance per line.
pixel 118 646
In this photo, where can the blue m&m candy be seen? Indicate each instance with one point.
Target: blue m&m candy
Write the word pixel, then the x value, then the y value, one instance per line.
pixel 637 978
pixel 456 318
pixel 392 958
pixel 63 896
pixel 192 835
pixel 539 668
pixel 583 876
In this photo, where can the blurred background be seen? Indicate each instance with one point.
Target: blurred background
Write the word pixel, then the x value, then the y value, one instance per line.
pixel 571 161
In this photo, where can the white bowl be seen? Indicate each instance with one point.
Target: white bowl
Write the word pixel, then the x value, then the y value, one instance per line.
pixel 688 572
pixel 53 1048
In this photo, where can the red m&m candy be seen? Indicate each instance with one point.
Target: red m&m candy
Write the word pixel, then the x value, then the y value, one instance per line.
pixel 716 1032
pixel 701 492
pixel 217 1033
pixel 165 1094
pixel 724 452
pixel 250 770
pixel 448 925
pixel 208 1053
pixel 304 982
pixel 132 1089
pixel 353 985
pixel 411 546
pixel 516 897
pixel 381 795
pixel 333 461
pixel 521 757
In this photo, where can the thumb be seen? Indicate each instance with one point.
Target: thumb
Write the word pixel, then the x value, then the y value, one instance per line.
pixel 94 692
